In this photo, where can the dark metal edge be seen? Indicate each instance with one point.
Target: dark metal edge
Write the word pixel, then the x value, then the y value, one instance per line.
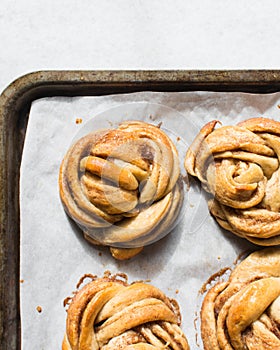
pixel 15 102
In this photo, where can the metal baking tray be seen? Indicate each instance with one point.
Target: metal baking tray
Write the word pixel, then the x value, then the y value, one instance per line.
pixel 15 102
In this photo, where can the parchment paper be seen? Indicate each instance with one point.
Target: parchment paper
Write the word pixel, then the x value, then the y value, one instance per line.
pixel 54 255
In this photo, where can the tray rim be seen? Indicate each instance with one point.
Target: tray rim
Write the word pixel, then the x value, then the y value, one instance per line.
pixel 15 103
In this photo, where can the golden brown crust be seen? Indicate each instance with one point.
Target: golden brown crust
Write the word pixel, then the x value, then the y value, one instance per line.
pixel 108 313
pixel 243 313
pixel 239 165
pixel 193 150
pixel 124 253
pixel 121 186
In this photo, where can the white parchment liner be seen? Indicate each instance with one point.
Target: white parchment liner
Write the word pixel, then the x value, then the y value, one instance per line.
pixel 54 255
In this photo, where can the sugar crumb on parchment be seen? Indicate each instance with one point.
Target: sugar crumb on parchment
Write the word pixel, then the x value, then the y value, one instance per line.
pixel 79 120
pixel 39 309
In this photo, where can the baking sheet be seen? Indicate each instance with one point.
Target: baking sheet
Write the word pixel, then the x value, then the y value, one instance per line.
pixel 54 254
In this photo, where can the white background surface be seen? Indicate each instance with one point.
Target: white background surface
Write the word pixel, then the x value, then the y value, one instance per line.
pixel 137 34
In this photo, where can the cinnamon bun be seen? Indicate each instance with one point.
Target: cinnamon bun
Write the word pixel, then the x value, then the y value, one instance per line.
pixel 122 186
pixel 244 312
pixel 108 313
pixel 239 166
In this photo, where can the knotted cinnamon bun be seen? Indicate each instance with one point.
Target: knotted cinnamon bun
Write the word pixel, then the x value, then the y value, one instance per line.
pixel 122 186
pixel 109 314
pixel 244 313
pixel 239 165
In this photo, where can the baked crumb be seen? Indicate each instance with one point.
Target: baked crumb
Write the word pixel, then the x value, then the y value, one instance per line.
pixel 241 256
pixel 67 301
pixel 79 120
pixel 39 309
pixel 216 276
pixel 86 275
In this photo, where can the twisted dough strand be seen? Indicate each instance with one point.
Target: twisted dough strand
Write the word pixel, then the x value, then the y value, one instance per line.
pixel 108 313
pixel 239 165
